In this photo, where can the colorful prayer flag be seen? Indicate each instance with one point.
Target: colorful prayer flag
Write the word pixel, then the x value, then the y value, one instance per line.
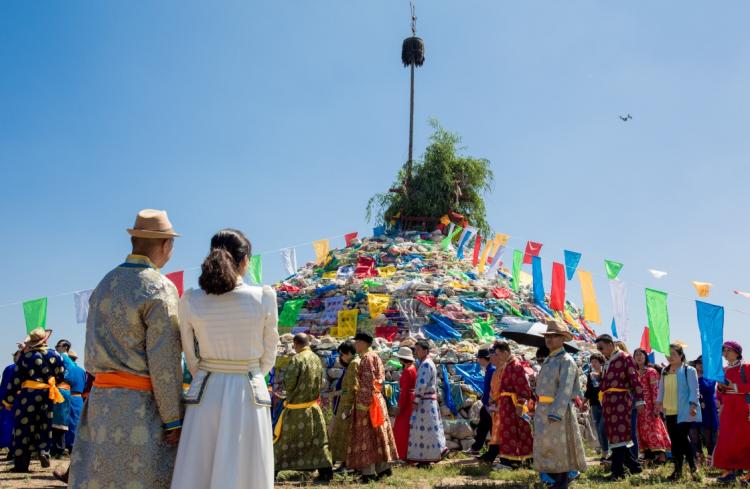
pixel 517 263
pixel 483 259
pixel 711 325
pixel 378 231
pixel 332 307
pixel 702 288
pixel 619 295
pixel 290 312
pixel 81 301
pixel 477 248
pixel 347 325
pixel 255 270
pixel 35 314
pixel 645 341
pixel 178 279
pixel 532 249
pixel 658 320
pixel 746 295
pixel 321 248
pixel 289 260
pixel 446 242
pixel 377 303
pixel 557 295
pixel 387 271
pixel 590 306
pixel 657 274
pixel 572 259
pixel 536 273
pixel 349 238
pixel 613 268
pixel 463 240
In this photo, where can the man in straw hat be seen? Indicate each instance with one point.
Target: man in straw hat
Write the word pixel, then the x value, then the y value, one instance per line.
pixel 407 382
pixel 130 425
pixel 32 393
pixel 619 386
pixel 372 447
pixel 558 446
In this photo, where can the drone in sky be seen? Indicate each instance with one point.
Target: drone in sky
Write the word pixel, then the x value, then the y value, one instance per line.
pixel 625 118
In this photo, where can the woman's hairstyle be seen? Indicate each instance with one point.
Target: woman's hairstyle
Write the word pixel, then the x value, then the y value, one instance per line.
pixel 598 357
pixel 679 351
pixel 223 264
pixel 501 345
pixel 347 347
pixel 641 350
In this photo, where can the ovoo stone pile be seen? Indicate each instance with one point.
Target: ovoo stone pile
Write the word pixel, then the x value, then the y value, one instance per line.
pixel 432 294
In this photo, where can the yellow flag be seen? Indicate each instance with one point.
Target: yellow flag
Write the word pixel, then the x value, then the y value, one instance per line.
pixel 590 306
pixel 502 239
pixel 445 220
pixel 321 248
pixel 330 275
pixel 702 288
pixel 483 258
pixel 347 325
pixel 386 272
pixel 378 303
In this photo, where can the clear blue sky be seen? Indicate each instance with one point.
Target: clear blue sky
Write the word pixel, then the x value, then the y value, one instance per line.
pixel 282 118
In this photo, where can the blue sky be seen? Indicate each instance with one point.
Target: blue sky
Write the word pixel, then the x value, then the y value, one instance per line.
pixel 282 118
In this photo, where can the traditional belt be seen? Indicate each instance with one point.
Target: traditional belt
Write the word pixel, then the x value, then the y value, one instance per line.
pixel 64 385
pixel 546 399
pixel 611 389
pixel 280 422
pixel 76 394
pixel 51 385
pixel 514 397
pixel 230 366
pixel 123 380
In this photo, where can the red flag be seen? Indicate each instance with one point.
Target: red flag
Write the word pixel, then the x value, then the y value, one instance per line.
pixel 477 247
pixel 349 238
pixel 500 293
pixel 646 340
pixel 557 296
pixel 178 279
pixel 532 249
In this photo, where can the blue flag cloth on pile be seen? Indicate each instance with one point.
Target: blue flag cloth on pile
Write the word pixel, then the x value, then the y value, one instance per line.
pixel 441 329
pixel 471 373
pixel 447 395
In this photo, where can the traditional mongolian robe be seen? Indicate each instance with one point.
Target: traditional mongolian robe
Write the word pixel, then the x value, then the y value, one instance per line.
pixel 302 437
pixel 7 415
pixel 516 440
pixel 496 433
pixel 558 446
pixel 733 446
pixel 619 383
pixel 652 433
pixel 371 448
pixel 426 437
pixel 342 412
pixel 75 376
pixel 133 348
pixel 31 394
pixel 407 383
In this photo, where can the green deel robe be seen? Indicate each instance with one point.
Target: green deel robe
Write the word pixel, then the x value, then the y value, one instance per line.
pixel 342 420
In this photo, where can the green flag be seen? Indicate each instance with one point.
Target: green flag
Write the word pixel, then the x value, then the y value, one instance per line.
pixel 484 330
pixel 613 268
pixel 290 313
pixel 445 243
pixel 256 269
pixel 517 264
pixel 658 320
pixel 35 314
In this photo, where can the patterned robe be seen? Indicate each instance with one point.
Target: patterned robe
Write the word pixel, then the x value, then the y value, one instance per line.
pixel 496 433
pixel 733 444
pixel 132 327
pixel 407 383
pixel 652 433
pixel 370 446
pixel 303 444
pixel 426 437
pixel 7 416
pixel 516 440
pixel 32 408
pixel 558 446
pixel 342 420
pixel 620 372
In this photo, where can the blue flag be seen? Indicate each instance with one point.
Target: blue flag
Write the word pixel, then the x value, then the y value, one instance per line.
pixel 572 258
pixel 378 231
pixel 614 329
pixel 536 272
pixel 711 325
pixel 447 395
pixel 464 240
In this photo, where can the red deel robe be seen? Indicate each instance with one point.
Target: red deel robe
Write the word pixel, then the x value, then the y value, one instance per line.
pixel 407 383
pixel 733 446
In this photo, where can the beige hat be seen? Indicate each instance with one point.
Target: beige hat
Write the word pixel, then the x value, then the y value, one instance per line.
pixel 72 354
pixel 37 337
pixel 405 353
pixel 556 327
pixel 150 223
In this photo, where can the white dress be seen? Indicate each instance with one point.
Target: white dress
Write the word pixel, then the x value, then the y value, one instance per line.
pixel 227 441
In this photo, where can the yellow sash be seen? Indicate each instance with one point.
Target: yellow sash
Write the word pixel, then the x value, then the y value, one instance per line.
pixel 546 400
pixel 280 422
pixel 51 385
pixel 611 389
pixel 514 397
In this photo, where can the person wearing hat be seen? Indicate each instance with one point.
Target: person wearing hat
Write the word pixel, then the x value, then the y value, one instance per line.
pixel 732 452
pixel 620 386
pixel 372 448
pixel 558 446
pixel 344 400
pixel 32 395
pixel 485 417
pixel 407 383
pixel 426 436
pixel 130 424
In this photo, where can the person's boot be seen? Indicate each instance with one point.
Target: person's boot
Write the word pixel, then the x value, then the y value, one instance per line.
pixel 61 475
pixel 618 464
pixel 325 475
pixel 632 464
pixel 44 460
pixel 677 474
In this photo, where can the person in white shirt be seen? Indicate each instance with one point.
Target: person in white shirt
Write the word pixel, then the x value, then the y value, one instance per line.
pixel 229 336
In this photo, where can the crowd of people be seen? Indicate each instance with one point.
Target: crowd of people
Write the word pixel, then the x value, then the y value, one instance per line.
pixel 142 427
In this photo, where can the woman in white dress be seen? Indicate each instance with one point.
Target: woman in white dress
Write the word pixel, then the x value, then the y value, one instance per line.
pixel 229 336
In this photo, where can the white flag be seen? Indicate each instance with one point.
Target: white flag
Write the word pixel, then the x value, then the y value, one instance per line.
pixel 746 295
pixel 81 300
pixel 620 307
pixel 657 273
pixel 289 260
pixel 492 269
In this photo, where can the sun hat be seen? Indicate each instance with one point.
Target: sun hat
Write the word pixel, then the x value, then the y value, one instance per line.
pixel 405 353
pixel 153 224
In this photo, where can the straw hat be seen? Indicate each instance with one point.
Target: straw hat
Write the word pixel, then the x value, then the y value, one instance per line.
pixel 405 353
pixel 73 355
pixel 37 337
pixel 555 327
pixel 150 223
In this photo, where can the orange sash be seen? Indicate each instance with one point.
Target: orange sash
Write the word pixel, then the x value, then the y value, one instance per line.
pixel 51 385
pixel 377 417
pixel 123 380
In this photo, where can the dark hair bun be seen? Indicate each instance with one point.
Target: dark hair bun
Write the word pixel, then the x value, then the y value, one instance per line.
pixel 221 267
